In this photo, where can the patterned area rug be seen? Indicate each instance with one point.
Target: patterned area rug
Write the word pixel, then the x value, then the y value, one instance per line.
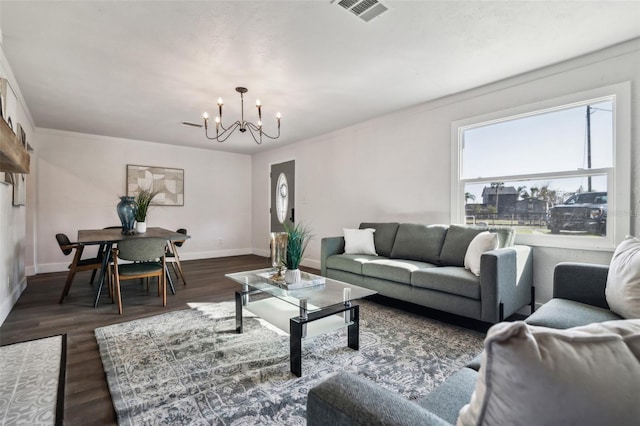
pixel 190 367
pixel 32 376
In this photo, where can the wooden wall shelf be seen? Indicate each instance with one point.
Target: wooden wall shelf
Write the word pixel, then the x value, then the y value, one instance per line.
pixel 14 157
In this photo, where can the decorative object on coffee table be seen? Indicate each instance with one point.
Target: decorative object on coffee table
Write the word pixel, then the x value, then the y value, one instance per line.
pixel 143 200
pixel 298 237
pixel 126 209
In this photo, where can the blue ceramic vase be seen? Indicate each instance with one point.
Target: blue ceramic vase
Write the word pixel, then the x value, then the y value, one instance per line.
pixel 127 213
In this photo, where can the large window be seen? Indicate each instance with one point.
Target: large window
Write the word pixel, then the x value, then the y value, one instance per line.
pixel 557 170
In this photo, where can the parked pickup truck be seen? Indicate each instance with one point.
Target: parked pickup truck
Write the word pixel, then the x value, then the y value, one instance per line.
pixel 585 211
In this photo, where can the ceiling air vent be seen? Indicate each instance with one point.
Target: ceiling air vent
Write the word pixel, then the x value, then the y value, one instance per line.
pixel 363 9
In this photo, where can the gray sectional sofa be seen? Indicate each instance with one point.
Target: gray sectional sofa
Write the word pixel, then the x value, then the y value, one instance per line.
pixel 425 265
pixel 348 399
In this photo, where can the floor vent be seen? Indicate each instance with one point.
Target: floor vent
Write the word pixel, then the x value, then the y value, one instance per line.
pixel 363 9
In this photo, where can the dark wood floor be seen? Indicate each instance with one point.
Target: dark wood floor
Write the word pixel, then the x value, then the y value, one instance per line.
pixel 37 314
pixel 87 399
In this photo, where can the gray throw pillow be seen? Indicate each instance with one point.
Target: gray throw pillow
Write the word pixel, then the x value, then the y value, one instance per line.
pixel 456 243
pixel 419 242
pixel 384 236
pixel 506 235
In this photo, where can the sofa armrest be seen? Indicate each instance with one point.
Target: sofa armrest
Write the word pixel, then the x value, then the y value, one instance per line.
pixel 328 247
pixel 581 282
pixel 347 399
pixel 506 276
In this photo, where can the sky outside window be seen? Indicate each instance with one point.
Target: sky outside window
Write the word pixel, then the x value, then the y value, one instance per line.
pixel 548 142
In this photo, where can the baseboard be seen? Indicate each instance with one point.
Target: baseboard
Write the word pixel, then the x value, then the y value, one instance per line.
pixel 7 304
pixel 215 253
pixel 45 268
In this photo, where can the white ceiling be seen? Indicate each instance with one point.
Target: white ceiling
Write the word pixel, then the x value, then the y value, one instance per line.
pixel 135 69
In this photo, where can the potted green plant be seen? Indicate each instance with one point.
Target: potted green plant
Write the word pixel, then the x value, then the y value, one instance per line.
pixel 298 237
pixel 143 200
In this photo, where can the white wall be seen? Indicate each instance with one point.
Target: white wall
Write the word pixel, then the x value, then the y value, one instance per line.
pixel 80 178
pixel 13 219
pixel 397 167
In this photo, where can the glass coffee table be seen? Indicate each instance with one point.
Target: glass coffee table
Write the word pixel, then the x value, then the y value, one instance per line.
pixel 325 306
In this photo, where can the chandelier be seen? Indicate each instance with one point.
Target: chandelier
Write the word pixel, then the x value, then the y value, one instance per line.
pixel 223 133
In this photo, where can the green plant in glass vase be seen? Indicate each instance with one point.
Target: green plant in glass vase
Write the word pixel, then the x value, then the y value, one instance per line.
pixel 298 236
pixel 143 202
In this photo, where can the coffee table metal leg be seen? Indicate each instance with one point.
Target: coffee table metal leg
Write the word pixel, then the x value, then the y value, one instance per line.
pixel 239 300
pixel 295 344
pixel 353 331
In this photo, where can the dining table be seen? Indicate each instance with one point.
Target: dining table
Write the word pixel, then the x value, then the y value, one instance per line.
pixel 108 237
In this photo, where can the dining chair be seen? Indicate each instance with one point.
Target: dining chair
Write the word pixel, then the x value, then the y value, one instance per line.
pixel 173 257
pixel 147 255
pixel 78 264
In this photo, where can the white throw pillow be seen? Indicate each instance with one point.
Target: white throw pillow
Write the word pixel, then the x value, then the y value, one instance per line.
pixel 359 241
pixel 586 375
pixel 623 282
pixel 484 241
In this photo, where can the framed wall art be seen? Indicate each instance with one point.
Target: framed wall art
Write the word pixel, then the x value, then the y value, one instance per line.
pixel 167 181
pixel 19 183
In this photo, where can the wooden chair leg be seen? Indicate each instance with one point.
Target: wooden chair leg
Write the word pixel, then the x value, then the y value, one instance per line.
pixel 67 284
pixel 118 295
pixel 111 282
pixel 72 272
pixel 180 269
pixel 162 278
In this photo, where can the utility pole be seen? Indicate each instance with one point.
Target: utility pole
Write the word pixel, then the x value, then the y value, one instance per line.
pixel 589 146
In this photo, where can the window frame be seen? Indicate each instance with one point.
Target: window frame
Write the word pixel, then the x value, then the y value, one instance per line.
pixel 618 176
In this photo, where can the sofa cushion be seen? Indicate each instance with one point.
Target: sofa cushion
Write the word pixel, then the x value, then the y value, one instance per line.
pixel 384 236
pixel 506 234
pixel 623 281
pixel 484 241
pixel 419 242
pixel 349 262
pixel 448 279
pixel 583 376
pixel 394 270
pixel 563 313
pixel 456 243
pixel 359 241
pixel 448 398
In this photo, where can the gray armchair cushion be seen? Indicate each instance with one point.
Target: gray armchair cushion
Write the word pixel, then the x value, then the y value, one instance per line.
pixel 456 243
pixel 347 399
pixel 419 242
pixel 562 313
pixel 384 236
pixel 449 397
pixel 581 282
